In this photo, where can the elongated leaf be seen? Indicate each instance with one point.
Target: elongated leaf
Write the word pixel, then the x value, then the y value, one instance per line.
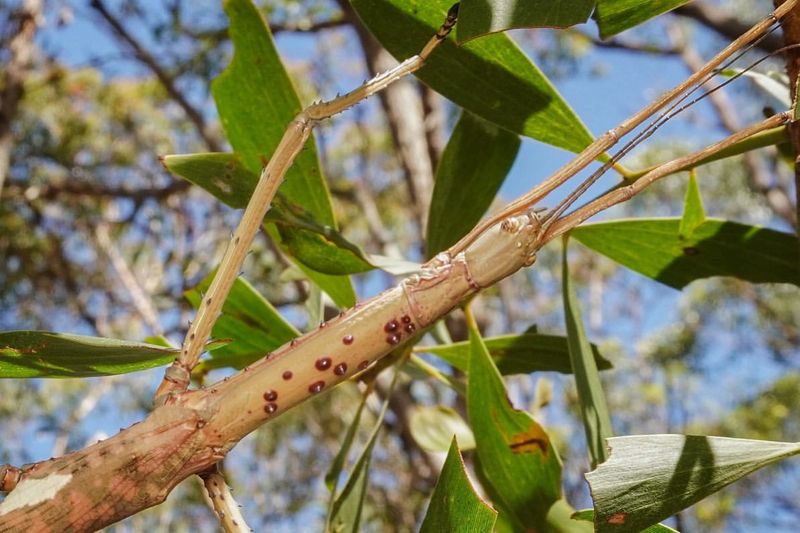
pixel 473 167
pixel 518 354
pixel 478 17
pixel 775 84
pixel 693 211
pixel 454 505
pixel 256 100
pixel 653 247
pixel 615 16
pixel 651 477
pixel 433 427
pixel 249 320
pixel 515 452
pixel 587 515
pixel 490 77
pixel 594 410
pixel 337 465
pixel 30 354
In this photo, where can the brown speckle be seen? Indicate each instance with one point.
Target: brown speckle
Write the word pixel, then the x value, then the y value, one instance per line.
pixel 393 339
pixel 270 408
pixel 410 328
pixel 406 319
pixel 287 375
pixel 348 339
pixel 323 363
pixel 363 365
pixel 617 519
pixel 340 369
pixel 390 326
pixel 271 395
pixel 316 387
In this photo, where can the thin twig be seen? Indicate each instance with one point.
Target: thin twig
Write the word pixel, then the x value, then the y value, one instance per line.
pixel 223 503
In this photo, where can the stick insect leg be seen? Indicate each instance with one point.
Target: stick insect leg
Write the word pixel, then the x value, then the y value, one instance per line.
pixel 177 376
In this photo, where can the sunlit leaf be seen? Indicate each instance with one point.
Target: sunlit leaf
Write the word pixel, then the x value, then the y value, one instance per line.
pixel 648 478
pixel 654 248
pixel 478 17
pixel 592 400
pixel 454 505
pixel 434 427
pixel 474 165
pixel 694 213
pixel 29 354
pixel 490 77
pixel 615 16
pixel 518 354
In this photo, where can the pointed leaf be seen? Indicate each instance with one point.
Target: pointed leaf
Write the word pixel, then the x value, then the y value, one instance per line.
pixel 337 465
pixel 474 165
pixel 775 84
pixel 256 100
pixel 615 16
pixel 454 505
pixel 518 354
pixel 29 354
pixel 594 410
pixel 490 77
pixel 515 452
pixel 693 211
pixel 651 477
pixel 478 17
pixel 249 320
pixel 654 248
pixel 433 427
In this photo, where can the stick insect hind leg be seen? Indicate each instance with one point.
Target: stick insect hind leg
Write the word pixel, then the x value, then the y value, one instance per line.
pixel 177 376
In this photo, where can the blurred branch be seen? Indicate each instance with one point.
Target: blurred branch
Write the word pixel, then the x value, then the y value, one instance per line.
pixel 166 80
pixel 12 80
pixel 315 27
pixel 725 25
pixel 56 191
pixel 226 508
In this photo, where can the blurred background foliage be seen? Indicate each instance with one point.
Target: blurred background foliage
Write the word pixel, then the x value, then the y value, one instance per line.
pixel 97 238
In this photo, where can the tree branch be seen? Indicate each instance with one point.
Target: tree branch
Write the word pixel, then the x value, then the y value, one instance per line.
pixel 729 27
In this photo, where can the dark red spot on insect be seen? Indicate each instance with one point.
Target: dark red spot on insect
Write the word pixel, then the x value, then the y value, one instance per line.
pixel 287 375
pixel 410 328
pixel 348 339
pixel 363 364
pixel 323 363
pixel 406 319
pixel 270 408
pixel 271 395
pixel 390 326
pixel 316 387
pixel 340 369
pixel 393 339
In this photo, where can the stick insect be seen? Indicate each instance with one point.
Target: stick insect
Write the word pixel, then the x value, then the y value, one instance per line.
pixel 515 216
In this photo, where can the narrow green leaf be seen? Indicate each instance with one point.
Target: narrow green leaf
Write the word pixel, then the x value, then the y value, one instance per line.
pixel 651 477
pixel 654 248
pixel 694 213
pixel 518 354
pixel 254 326
pixel 594 410
pixel 337 466
pixel 33 354
pixel 587 515
pixel 773 83
pixel 454 505
pixel 434 427
pixel 515 452
pixel 478 17
pixel 256 100
pixel 490 77
pixel 474 165
pixel 615 16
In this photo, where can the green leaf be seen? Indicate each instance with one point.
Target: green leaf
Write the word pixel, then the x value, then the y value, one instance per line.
pixel 594 411
pixel 478 17
pixel 473 166
pixel 318 246
pixel 773 83
pixel 587 515
pixel 490 77
pixel 454 505
pixel 256 100
pixel 651 477
pixel 694 213
pixel 32 354
pixel 433 427
pixel 515 452
pixel 654 248
pixel 337 466
pixel 517 354
pixel 615 16
pixel 255 327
